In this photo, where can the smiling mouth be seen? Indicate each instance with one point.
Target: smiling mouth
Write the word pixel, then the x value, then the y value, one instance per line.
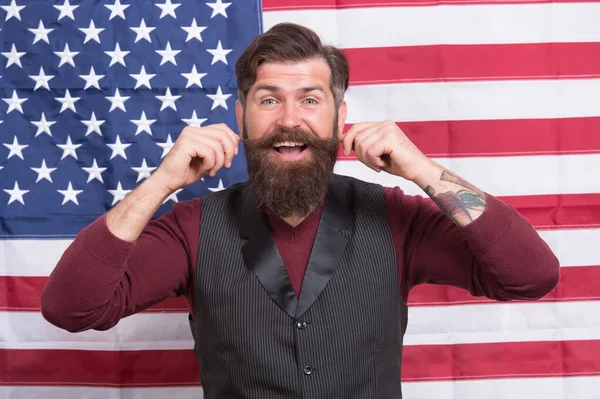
pixel 290 149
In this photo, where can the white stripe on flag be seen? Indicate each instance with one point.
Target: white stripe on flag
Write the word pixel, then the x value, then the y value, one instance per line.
pixel 18 259
pixel 482 323
pixel 481 100
pixel 448 24
pixel 503 322
pixel 575 247
pixel 500 176
pixel 517 388
pixel 50 392
pixel 29 330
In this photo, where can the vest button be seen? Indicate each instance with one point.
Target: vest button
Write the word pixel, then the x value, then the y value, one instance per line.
pixel 308 370
pixel 301 324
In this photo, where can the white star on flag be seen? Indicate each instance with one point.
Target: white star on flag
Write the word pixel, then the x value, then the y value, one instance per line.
pixel 194 120
pixel 117 101
pixel 13 10
pixel 143 124
pixel 167 8
pixel 41 80
pixel 193 31
pixel 193 78
pixel 93 125
pixel 66 10
pixel 44 172
pixel 219 99
pixel 118 148
pixel 92 33
pixel 15 148
pixel 166 146
pixel 69 149
pixel 219 54
pixel 143 171
pixel 173 196
pixel 142 78
pixel 168 100
pixel 66 56
pixel 67 102
pixel 168 54
pixel 117 9
pixel 142 32
pixel 91 80
pixel 43 126
pixel 118 194
pixel 14 56
pixel 218 8
pixel 16 194
pixel 218 188
pixel 117 56
pixel 94 172
pixel 41 33
pixel 70 194
pixel 14 103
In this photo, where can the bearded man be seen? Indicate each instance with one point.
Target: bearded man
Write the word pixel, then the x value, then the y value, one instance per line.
pixel 297 280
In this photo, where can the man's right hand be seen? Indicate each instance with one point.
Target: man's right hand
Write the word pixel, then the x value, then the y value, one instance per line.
pixel 198 151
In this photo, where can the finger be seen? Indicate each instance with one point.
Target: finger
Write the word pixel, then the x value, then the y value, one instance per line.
pixel 376 153
pixel 218 133
pixel 200 149
pixel 348 138
pixel 370 150
pixel 357 126
pixel 362 135
pixel 214 131
pixel 217 149
pixel 226 142
pixel 235 138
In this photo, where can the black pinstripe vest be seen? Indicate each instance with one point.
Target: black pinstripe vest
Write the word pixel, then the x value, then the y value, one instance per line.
pixel 342 338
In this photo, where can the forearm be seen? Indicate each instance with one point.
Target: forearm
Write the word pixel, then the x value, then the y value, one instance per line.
pixel 457 198
pixel 129 217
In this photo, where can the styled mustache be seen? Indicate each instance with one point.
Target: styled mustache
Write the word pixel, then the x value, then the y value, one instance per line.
pixel 294 135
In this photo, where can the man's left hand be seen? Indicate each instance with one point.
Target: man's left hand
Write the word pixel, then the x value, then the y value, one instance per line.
pixel 384 146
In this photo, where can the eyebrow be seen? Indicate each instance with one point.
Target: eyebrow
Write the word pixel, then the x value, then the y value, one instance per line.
pixel 273 88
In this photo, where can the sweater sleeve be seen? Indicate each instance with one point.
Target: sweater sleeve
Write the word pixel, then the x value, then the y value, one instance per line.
pixel 499 255
pixel 100 278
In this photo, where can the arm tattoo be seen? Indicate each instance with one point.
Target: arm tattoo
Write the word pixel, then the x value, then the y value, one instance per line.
pixel 460 201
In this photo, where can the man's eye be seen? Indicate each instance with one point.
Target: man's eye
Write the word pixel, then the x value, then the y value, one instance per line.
pixel 269 101
pixel 311 100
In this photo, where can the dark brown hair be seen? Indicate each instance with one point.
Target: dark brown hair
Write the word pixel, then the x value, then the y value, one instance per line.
pixel 288 43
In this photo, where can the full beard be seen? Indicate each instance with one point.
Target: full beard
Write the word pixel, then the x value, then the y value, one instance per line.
pixel 293 188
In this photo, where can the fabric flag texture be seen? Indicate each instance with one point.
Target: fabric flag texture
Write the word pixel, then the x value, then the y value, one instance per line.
pixel 504 93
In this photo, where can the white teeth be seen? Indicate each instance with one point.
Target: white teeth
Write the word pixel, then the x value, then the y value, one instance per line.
pixel 288 144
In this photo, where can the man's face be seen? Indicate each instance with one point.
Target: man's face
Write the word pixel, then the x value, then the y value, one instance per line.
pixel 290 126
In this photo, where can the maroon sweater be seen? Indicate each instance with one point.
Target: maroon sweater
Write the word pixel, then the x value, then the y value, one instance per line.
pixel 101 278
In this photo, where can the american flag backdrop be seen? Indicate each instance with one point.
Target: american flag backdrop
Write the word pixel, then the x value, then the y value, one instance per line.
pixel 504 93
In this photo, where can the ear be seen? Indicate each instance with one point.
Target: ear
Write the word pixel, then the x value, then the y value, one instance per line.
pixel 342 114
pixel 239 114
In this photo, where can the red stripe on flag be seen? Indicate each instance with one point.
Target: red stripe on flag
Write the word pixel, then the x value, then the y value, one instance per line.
pixel 179 367
pixel 98 368
pixel 576 283
pixel 463 138
pixel 558 211
pixel 501 360
pixel 473 62
pixel 279 5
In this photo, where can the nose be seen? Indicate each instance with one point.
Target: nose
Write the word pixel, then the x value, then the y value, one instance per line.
pixel 290 116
